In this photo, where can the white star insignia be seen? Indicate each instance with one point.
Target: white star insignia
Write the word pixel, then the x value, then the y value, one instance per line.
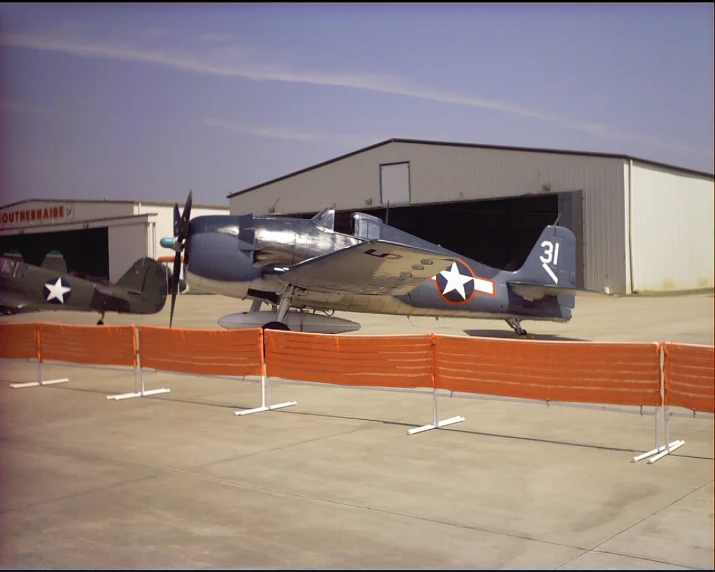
pixel 455 281
pixel 57 291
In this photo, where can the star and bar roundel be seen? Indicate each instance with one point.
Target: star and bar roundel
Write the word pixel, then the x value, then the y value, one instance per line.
pixel 57 291
pixel 458 284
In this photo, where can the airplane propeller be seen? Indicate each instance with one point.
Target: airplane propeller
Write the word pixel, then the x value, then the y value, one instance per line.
pixel 181 233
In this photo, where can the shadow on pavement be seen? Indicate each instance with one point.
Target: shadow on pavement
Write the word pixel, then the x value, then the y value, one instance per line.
pixel 509 335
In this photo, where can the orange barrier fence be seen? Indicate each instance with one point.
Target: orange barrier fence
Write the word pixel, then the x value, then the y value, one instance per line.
pixel 19 341
pixel 207 352
pixel 382 361
pixel 91 345
pixel 690 376
pixel 585 372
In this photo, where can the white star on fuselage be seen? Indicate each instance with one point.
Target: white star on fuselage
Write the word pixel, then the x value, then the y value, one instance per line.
pixel 455 281
pixel 57 291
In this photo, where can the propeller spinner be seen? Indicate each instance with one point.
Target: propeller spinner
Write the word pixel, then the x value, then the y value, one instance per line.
pixel 181 233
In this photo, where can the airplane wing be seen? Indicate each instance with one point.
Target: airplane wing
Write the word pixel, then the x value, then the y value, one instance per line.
pixel 374 267
pixel 533 292
pixel 15 303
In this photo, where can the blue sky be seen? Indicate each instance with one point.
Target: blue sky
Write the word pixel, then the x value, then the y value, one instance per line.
pixel 147 101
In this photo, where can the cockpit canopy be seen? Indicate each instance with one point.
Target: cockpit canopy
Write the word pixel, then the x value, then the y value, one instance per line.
pixel 367 226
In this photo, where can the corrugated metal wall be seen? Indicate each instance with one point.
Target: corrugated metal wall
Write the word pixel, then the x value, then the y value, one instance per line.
pixel 450 173
pixel 671 229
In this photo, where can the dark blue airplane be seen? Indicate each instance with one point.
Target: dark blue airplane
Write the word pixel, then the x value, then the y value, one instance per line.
pixel 302 266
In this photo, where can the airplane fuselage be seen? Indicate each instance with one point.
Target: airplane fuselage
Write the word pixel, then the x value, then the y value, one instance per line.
pixel 243 256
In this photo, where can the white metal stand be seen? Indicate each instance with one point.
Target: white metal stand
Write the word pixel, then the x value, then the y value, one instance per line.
pixel 139 390
pixel 265 399
pixel 436 423
pixel 660 451
pixel 39 381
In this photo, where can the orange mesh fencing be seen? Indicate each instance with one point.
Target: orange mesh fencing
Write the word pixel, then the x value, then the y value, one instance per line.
pixel 584 372
pixel 690 376
pixel 207 352
pixel 91 345
pixel 378 361
pixel 19 341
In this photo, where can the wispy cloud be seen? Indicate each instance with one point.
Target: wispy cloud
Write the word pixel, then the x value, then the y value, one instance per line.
pixel 288 134
pixel 229 60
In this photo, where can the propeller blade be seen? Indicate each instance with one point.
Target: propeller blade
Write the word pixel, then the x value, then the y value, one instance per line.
pixel 174 285
pixel 183 230
pixel 182 225
pixel 177 220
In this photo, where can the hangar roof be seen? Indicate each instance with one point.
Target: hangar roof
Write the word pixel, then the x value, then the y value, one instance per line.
pixel 477 146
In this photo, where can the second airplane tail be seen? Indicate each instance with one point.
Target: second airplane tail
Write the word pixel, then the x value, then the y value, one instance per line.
pixel 150 281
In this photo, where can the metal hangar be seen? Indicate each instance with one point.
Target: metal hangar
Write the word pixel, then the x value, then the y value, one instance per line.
pixel 99 239
pixel 641 226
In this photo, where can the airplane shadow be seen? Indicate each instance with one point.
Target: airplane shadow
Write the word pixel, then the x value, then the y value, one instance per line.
pixel 509 335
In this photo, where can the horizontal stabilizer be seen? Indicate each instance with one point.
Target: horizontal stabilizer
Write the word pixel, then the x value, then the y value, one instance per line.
pixel 532 292
pixel 375 267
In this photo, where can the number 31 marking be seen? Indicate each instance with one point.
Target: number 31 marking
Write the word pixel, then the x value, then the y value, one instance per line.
pixel 550 252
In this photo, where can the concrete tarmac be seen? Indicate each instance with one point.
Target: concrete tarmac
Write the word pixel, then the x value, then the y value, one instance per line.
pixel 176 480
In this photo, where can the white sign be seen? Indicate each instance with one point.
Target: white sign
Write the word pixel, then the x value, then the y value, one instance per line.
pixel 19 217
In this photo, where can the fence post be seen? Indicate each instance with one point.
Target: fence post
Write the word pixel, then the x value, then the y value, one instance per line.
pixel 39 382
pixel 436 423
pixel 138 376
pixel 265 388
pixel 661 451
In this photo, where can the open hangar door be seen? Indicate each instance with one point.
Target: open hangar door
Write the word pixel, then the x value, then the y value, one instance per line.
pixel 86 251
pixel 500 232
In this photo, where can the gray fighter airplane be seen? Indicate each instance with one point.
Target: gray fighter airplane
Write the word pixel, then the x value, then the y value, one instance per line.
pixel 301 266
pixel 27 288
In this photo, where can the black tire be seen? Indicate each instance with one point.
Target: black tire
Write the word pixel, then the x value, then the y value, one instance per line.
pixel 276 326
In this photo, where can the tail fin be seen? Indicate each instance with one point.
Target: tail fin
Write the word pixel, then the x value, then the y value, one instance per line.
pixel 54 261
pixel 550 269
pixel 552 261
pixel 149 279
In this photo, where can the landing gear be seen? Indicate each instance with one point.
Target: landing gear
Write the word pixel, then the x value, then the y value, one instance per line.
pixel 515 324
pixel 284 305
pixel 286 296
pixel 101 320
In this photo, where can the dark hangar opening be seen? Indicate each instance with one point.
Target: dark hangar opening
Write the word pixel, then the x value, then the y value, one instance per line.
pixel 86 251
pixel 499 233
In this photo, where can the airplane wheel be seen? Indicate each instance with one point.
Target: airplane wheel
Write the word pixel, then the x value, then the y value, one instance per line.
pixel 276 326
pixel 100 323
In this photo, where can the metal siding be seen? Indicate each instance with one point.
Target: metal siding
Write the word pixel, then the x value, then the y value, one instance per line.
pixel 444 173
pixel 101 209
pixel 672 226
pixel 127 243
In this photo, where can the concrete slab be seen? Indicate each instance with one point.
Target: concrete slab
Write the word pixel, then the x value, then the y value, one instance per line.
pixel 663 533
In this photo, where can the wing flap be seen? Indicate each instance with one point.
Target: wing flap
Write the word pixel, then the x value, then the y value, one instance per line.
pixel 375 267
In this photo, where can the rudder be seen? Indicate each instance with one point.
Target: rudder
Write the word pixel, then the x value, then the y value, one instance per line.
pixel 150 279
pixel 552 260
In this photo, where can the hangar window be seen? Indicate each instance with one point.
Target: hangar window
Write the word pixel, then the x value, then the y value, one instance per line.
pixel 395 183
